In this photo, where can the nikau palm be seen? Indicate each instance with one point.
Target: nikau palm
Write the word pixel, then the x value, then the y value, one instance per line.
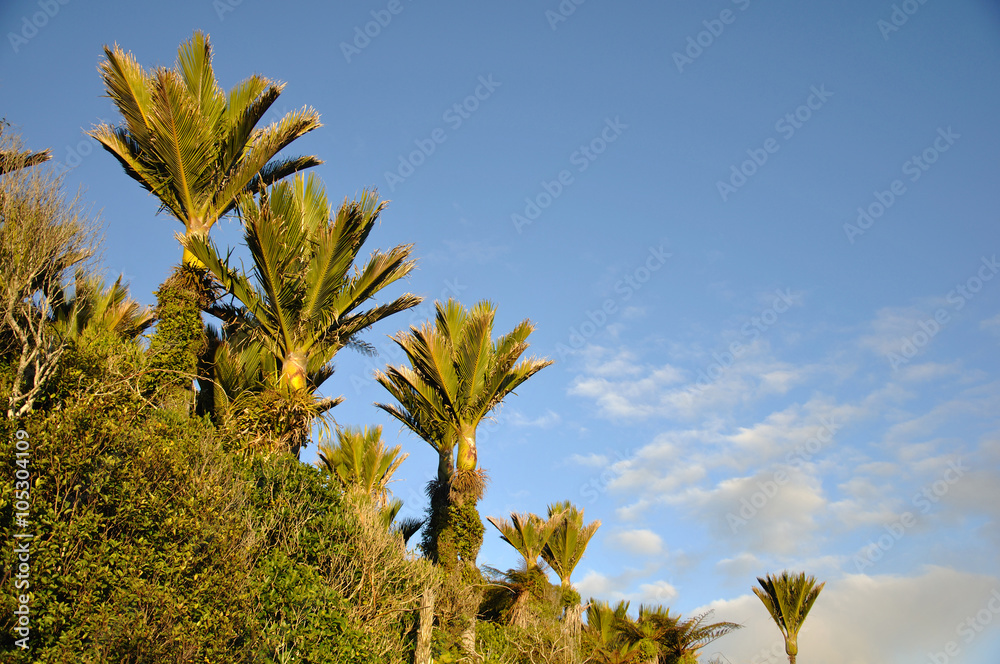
pixel 189 143
pixel 304 299
pixel 359 459
pixel 563 552
pixel 527 533
pixel 94 309
pixel 788 598
pixel 458 375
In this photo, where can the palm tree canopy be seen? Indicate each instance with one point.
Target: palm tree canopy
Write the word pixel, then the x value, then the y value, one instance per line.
pixel 302 302
pixel 527 533
pixel 193 146
pixel 360 460
pixel 458 375
pixel 788 598
pixel 93 309
pixel 569 539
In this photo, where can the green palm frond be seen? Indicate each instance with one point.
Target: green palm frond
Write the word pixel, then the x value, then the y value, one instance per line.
pixel 788 598
pixel 457 376
pixel 193 146
pixel 527 533
pixel 569 540
pixel 360 460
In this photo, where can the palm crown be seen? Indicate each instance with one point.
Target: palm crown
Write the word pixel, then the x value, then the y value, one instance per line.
pixel 302 303
pixel 458 375
pixel 788 598
pixel 195 147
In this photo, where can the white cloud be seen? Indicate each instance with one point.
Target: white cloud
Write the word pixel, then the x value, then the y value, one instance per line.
pixel 861 619
pixel 592 460
pixel 638 542
pixel 546 421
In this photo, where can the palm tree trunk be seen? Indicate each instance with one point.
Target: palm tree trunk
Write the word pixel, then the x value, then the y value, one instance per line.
pixel 467 454
pixel 293 370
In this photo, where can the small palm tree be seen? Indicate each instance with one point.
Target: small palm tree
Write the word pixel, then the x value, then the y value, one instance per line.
pixel 527 533
pixel 565 548
pixel 189 143
pixel 608 643
pixel 788 598
pixel 93 309
pixel 681 644
pixel 361 461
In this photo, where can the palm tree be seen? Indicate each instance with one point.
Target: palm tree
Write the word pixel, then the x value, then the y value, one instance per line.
pixel 197 149
pixel 303 303
pixel 668 639
pixel 681 644
pixel 788 598
pixel 527 533
pixel 360 460
pixel 189 143
pixel 93 309
pixel 608 642
pixel 457 376
pixel 569 540
pixel 563 552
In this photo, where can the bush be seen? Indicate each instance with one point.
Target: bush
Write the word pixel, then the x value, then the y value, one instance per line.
pixel 152 544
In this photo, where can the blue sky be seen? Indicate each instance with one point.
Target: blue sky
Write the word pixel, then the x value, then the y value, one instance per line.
pixel 759 240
